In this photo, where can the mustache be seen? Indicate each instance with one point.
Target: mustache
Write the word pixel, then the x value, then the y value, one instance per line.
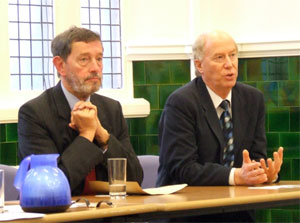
pixel 93 75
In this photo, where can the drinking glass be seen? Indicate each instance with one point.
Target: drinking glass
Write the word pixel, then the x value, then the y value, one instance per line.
pixel 117 177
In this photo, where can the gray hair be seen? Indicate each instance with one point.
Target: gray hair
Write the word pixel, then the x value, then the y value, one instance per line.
pixel 62 44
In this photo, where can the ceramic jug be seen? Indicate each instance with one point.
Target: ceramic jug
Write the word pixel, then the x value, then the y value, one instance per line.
pixel 42 185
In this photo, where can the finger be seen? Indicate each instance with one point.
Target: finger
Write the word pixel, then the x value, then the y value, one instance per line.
pixel 76 106
pixel 280 152
pixel 263 165
pixel 246 158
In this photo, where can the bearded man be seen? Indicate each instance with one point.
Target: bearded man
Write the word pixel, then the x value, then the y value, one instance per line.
pixel 84 128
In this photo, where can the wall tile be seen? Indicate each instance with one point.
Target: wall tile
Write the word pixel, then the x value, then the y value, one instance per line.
pixel 152 122
pixel 157 72
pixel 149 92
pixel 291 144
pixel 138 126
pixel 286 169
pixel 295 119
pixel 270 91
pixel 180 71
pixel 279 119
pixel 164 92
pixel 263 215
pixel 12 132
pixel 242 70
pixel 139 76
pixel 256 69
pixel 2 132
pixel 272 141
pixel 9 153
pixel 289 93
pixel 152 145
pixel 281 216
pixel 294 68
pixel 278 68
pixel 296 169
pixel 142 145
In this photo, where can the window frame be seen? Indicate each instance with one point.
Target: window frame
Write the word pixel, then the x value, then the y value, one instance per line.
pixel 67 12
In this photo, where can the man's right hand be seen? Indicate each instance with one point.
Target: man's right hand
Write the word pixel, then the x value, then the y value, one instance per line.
pixel 250 173
pixel 85 122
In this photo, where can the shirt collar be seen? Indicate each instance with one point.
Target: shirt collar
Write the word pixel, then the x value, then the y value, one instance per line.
pixel 216 99
pixel 72 99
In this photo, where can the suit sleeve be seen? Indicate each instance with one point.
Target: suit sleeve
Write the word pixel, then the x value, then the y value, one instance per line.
pixel 119 146
pixel 179 152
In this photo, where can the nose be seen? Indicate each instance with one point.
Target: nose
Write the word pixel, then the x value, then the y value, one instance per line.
pixel 95 66
pixel 228 62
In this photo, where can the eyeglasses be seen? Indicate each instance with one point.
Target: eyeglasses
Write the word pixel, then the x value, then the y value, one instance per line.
pixel 89 205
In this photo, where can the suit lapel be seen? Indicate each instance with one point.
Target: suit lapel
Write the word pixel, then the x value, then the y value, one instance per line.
pixel 210 113
pixel 62 105
pixel 240 118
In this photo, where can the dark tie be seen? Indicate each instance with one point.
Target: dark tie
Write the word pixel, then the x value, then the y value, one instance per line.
pixel 227 126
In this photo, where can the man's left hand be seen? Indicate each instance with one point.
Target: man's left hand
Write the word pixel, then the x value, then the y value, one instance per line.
pixel 273 167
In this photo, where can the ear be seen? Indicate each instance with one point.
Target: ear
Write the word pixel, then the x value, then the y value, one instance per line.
pixel 59 64
pixel 198 65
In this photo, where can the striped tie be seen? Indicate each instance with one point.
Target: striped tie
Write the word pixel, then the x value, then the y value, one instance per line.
pixel 227 126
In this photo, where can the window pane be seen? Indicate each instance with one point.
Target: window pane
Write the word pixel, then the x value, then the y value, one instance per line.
pixel 25 65
pixel 37 81
pixel 24 48
pixel 94 16
pixel 25 82
pixel 107 81
pixel 24 13
pixel 105 16
pixel 105 33
pixel 14 65
pixel 115 3
pixel 115 17
pixel 94 3
pixel 104 3
pixel 13 13
pixel 116 50
pixel 106 65
pixel 107 49
pixel 13 30
pixel 35 14
pixel 115 33
pixel 24 30
pixel 33 20
pixel 36 31
pixel 14 48
pixel 116 65
pixel 84 15
pixel 14 82
pixel 37 66
pixel 117 81
pixel 37 48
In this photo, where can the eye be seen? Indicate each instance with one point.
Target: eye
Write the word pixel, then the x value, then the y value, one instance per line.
pixel 99 59
pixel 83 60
pixel 219 58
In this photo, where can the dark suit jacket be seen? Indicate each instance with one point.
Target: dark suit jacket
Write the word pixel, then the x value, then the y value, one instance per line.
pixel 191 139
pixel 43 128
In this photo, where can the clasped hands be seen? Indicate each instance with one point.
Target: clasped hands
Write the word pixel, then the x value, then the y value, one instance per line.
pixel 252 172
pixel 84 119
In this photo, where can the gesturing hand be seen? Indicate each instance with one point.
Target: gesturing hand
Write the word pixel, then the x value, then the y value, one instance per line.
pixel 273 167
pixel 250 173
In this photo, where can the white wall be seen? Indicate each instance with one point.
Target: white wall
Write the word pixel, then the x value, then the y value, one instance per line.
pixel 179 21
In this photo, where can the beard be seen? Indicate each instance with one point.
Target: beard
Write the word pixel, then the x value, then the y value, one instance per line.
pixel 82 89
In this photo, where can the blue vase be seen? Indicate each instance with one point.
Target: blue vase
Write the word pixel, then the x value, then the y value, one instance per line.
pixel 43 186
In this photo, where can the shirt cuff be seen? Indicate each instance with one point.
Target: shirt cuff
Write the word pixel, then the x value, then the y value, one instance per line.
pixel 231 177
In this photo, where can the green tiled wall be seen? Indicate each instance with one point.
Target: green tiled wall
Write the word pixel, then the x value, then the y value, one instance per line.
pixel 278 78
